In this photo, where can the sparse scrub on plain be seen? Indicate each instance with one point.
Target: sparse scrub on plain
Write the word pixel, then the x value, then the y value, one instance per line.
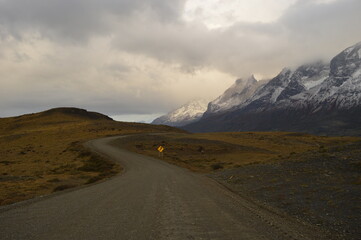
pixel 217 166
pixel 63 187
pixel 204 152
pixel 41 152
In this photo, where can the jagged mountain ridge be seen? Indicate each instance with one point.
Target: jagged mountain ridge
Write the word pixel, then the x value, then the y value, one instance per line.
pixel 234 96
pixel 186 114
pixel 318 98
pixel 288 86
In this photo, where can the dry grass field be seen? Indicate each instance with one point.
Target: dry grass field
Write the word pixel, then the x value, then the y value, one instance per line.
pixel 207 152
pixel 42 153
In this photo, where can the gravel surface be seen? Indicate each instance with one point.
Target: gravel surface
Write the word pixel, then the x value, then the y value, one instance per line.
pixel 324 190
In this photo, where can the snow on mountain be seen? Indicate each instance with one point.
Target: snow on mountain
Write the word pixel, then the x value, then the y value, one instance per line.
pixel 288 84
pixel 237 94
pixel 186 114
pixel 234 96
pixel 272 90
pixel 342 89
pixel 314 86
pixel 316 97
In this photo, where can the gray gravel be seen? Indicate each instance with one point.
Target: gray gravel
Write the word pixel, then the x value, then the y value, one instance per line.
pixel 323 189
pixel 150 200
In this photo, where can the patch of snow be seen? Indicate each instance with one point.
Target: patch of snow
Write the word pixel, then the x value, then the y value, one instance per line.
pixel 234 96
pixel 187 113
pixel 275 94
pixel 357 73
pixel 348 50
pixel 310 84
pixel 189 110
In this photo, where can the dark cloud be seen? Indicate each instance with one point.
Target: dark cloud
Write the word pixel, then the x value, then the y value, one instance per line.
pixel 306 31
pixel 79 19
pixel 138 56
pixel 154 28
pixel 322 29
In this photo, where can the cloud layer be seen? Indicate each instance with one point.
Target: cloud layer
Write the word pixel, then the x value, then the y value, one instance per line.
pixel 143 57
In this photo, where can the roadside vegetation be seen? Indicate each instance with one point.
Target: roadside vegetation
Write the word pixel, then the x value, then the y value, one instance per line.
pixel 43 152
pixel 207 152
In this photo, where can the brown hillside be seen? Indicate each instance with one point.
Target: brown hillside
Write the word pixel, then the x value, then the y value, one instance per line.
pixel 43 152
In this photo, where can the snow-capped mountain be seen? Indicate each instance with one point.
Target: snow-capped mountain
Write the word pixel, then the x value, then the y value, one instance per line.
pixel 236 95
pixel 342 89
pixel 186 114
pixel 317 97
pixel 191 112
pixel 288 84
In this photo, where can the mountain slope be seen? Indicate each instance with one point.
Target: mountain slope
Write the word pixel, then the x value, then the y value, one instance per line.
pixel 318 98
pixel 186 114
pixel 234 96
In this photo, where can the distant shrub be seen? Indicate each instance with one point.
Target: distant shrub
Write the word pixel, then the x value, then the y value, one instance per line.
pixel 139 146
pixel 96 164
pixel 356 167
pixel 357 181
pixel 94 179
pixel 63 187
pixel 217 166
pixel 322 149
pixel 83 154
pixel 6 162
pixel 54 180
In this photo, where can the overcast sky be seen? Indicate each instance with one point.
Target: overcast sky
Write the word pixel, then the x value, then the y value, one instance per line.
pixel 136 58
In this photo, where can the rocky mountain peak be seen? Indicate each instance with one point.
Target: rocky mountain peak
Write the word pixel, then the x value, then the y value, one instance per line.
pixel 317 97
pixel 345 64
pixel 304 78
pixel 235 95
pixel 188 113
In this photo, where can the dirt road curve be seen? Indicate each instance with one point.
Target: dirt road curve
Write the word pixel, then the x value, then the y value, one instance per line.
pixel 150 200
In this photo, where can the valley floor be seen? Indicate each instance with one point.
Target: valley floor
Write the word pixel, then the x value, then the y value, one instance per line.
pixel 150 200
pixel 315 179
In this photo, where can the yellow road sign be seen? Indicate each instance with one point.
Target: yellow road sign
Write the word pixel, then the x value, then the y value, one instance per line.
pixel 160 148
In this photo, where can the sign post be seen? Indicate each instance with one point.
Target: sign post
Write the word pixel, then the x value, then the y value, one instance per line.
pixel 160 150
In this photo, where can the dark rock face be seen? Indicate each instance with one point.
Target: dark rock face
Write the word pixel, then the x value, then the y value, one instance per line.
pixel 345 64
pixel 342 122
pixel 316 98
pixel 296 84
pixel 234 96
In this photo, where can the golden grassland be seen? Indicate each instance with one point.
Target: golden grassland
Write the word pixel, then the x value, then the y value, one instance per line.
pixel 207 152
pixel 43 152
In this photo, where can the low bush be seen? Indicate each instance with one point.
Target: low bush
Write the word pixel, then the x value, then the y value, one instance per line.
pixel 217 166
pixel 97 164
pixel 63 187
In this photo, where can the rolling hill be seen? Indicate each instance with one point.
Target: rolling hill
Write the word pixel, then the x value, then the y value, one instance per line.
pixel 43 152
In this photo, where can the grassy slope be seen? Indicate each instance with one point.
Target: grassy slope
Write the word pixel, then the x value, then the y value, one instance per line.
pixel 211 151
pixel 41 153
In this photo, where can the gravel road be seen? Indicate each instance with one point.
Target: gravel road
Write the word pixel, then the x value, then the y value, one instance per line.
pixel 150 200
